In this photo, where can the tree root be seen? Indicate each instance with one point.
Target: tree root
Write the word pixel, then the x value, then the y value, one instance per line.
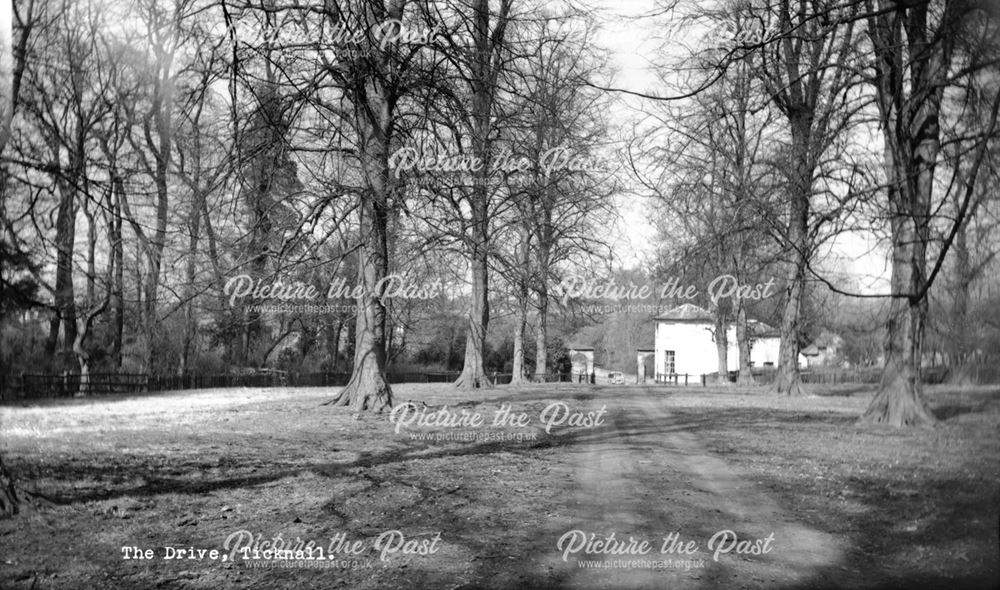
pixel 899 403
pixel 364 393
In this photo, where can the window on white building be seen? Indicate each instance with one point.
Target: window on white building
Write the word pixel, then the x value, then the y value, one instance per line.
pixel 669 366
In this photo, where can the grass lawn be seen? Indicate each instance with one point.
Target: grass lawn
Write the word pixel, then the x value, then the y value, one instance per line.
pixel 916 508
pixel 908 508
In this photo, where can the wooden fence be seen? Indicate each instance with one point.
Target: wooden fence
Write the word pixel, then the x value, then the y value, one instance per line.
pixel 859 375
pixel 38 386
pixel 680 379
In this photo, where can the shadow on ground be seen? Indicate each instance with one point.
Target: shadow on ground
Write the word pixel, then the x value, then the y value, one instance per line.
pixel 920 523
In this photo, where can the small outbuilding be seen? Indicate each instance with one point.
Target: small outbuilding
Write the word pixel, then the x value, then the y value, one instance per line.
pixel 582 359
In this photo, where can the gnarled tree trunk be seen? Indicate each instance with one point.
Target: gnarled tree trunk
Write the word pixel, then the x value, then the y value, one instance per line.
pixel 900 400
pixel 368 388
pixel 374 117
pixel 911 66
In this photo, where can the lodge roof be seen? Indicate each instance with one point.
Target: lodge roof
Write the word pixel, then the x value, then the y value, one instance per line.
pixel 761 330
pixel 811 350
pixel 825 341
pixel 687 312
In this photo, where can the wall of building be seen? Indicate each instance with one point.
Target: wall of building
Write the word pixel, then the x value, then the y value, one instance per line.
pixel 695 352
pixel 764 351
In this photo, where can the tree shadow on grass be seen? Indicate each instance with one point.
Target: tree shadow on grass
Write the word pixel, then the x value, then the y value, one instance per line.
pixel 561 438
pixel 845 391
pixel 947 410
pixel 150 469
pixel 879 535
pixel 917 528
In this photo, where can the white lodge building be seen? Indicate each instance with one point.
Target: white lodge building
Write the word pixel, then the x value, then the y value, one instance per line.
pixel 685 343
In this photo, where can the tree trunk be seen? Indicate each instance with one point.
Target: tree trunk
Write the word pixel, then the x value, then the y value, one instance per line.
pixel 91 290
pixel 541 331
pixel 744 344
pixel 198 197
pixel 900 400
pixel 808 97
pixel 151 321
pixel 517 371
pixel 722 346
pixel 162 116
pixel 788 380
pixel 213 256
pixel 473 373
pixel 368 388
pixel 910 154
pixel 83 331
pixel 541 338
pixel 84 360
pixel 118 281
pixel 484 87
pixel 10 501
pixel 960 337
pixel 522 274
pixel 333 331
pixel 64 295
pixel 190 321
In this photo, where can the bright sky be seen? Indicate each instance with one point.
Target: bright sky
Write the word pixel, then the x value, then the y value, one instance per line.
pixel 632 43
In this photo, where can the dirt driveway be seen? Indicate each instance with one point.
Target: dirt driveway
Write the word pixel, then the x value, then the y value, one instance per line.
pixel 646 477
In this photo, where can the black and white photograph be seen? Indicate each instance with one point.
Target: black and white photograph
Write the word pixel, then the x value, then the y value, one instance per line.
pixel 499 294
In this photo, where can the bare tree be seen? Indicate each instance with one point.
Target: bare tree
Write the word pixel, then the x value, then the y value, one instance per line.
pixel 800 72
pixel 9 500
pixel 479 65
pixel 64 109
pixel 918 51
pixel 204 166
pixel 560 128
pixel 374 83
pixel 713 177
pixel 153 142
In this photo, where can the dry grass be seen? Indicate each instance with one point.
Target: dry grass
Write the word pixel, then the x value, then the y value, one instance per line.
pixel 188 469
pixel 913 505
